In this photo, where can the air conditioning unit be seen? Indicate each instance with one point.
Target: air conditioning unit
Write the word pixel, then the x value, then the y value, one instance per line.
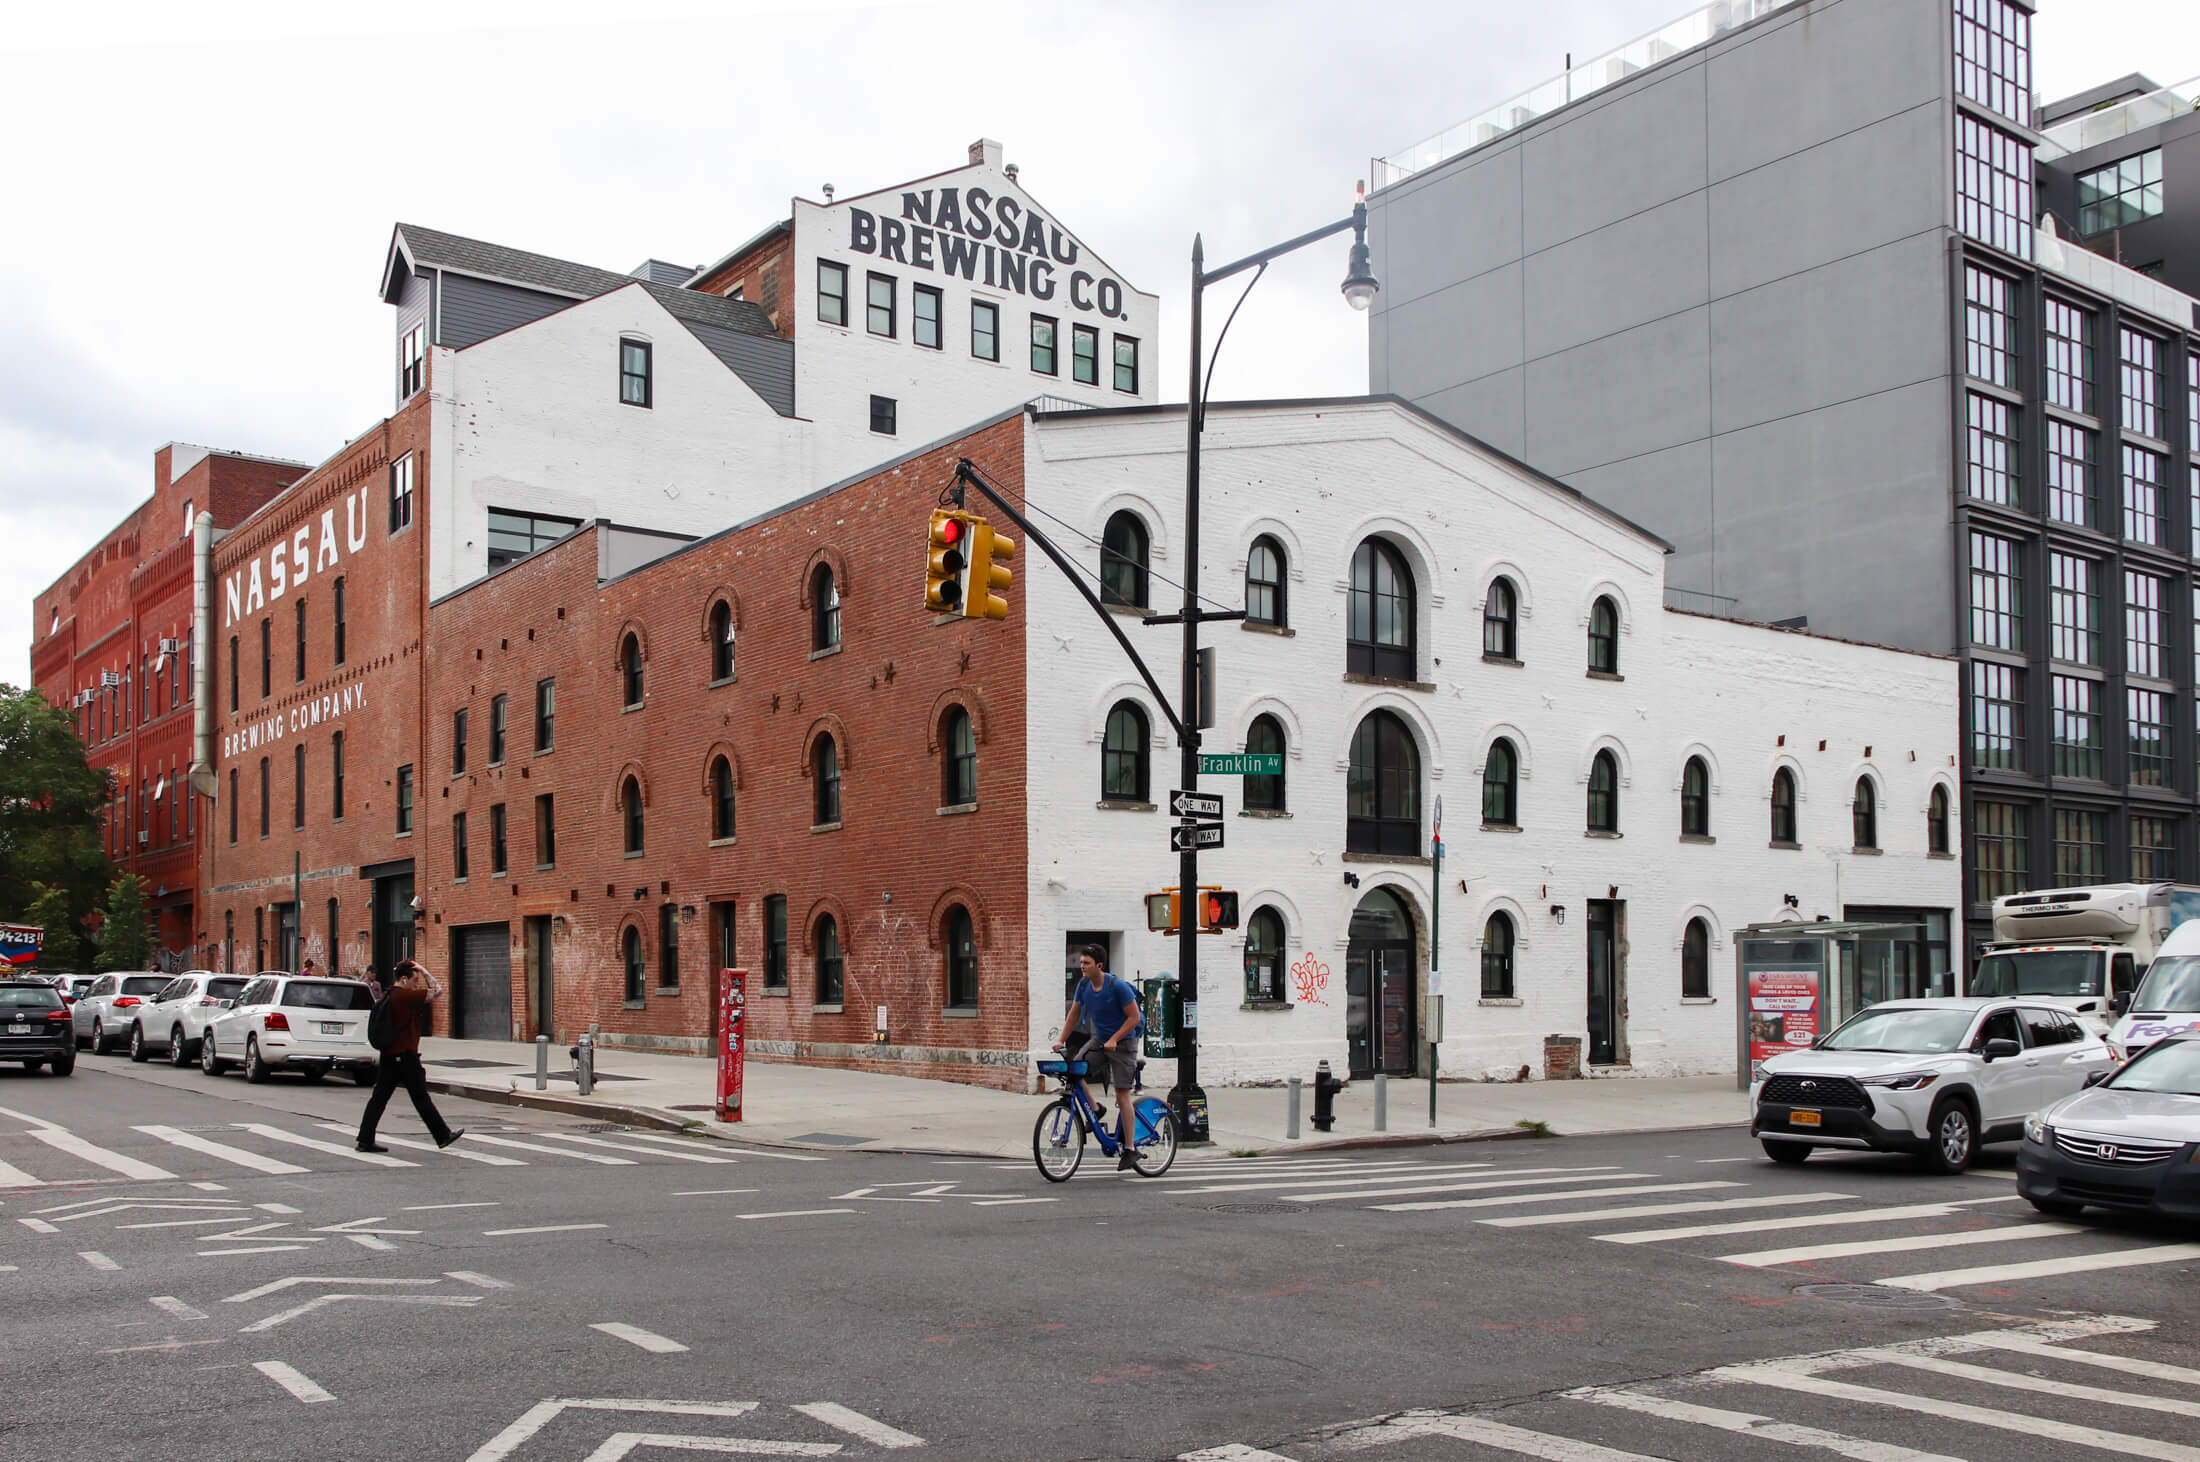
pixel 169 646
pixel 144 837
pixel 108 679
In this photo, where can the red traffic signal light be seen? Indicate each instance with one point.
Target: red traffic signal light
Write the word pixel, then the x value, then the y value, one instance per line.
pixel 1218 909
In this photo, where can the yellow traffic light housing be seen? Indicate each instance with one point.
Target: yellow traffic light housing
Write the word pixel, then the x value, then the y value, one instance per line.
pixel 1161 912
pixel 947 561
pixel 1218 910
pixel 990 575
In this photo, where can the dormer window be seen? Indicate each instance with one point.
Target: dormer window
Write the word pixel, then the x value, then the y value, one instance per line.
pixel 412 361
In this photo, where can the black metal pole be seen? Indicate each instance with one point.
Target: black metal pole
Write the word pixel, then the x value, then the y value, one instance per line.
pixel 1186 1099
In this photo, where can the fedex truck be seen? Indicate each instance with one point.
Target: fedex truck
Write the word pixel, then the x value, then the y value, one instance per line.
pixel 2080 947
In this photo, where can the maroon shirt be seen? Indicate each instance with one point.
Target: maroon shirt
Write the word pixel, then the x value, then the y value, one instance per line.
pixel 408 1009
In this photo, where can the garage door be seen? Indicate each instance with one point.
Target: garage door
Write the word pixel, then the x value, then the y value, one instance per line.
pixel 483 1010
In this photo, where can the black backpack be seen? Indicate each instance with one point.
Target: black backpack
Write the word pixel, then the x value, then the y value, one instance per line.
pixel 382 1025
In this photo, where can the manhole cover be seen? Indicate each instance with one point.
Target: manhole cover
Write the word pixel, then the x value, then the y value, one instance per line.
pixel 1879 1297
pixel 1259 1208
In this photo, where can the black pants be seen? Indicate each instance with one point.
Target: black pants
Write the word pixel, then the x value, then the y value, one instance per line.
pixel 402 1068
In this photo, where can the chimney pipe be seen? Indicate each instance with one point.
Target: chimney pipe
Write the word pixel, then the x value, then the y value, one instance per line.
pixel 203 781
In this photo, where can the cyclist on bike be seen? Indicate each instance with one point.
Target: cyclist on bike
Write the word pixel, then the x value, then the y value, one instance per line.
pixel 1107 1005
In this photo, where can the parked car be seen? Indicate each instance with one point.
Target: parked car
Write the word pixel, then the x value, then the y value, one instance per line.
pixel 307 1024
pixel 34 1027
pixel 2129 1142
pixel 72 987
pixel 1934 1077
pixel 2167 1000
pixel 102 1014
pixel 175 1019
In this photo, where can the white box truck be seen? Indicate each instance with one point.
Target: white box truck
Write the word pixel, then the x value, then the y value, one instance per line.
pixel 2080 947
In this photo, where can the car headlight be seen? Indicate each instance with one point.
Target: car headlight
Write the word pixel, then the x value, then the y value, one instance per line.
pixel 2037 1130
pixel 1756 1071
pixel 1901 1081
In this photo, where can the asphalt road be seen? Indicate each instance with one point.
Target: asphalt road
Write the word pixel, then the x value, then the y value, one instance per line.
pixel 175 1292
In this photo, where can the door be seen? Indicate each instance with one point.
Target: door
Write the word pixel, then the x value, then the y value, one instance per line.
pixel 2006 1086
pixel 1380 988
pixel 483 1009
pixel 1604 1006
pixel 541 1008
pixel 393 922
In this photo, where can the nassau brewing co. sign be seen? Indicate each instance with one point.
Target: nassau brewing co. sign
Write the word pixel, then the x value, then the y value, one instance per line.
pixel 998 242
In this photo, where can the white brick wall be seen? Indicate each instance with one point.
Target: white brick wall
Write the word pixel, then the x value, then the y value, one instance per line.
pixel 1322 478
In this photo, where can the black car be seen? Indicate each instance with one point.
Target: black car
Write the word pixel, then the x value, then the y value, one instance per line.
pixel 35 1028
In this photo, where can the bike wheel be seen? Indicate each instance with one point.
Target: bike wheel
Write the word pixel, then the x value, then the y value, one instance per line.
pixel 1154 1137
pixel 1058 1141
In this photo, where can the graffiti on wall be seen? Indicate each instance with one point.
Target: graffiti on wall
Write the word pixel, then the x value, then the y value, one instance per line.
pixel 1310 981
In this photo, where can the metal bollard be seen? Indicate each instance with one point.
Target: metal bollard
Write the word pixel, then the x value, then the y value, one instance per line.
pixel 584 1062
pixel 1291 1112
pixel 1382 1102
pixel 542 1063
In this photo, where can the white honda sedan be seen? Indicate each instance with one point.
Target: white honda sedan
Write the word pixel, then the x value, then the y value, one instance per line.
pixel 174 1020
pixel 307 1024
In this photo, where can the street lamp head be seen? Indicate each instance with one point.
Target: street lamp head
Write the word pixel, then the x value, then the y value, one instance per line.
pixel 1360 287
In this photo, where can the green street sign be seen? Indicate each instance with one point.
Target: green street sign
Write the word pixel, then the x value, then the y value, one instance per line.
pixel 1242 764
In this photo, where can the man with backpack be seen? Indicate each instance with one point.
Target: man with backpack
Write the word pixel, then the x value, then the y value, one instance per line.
pixel 394 1030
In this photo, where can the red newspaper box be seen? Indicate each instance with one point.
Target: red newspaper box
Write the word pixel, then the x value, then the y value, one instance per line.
pixel 732 1047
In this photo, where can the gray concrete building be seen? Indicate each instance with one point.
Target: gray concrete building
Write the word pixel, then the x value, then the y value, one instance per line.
pixel 1819 291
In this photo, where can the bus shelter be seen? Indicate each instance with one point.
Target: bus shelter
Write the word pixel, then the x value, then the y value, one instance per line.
pixel 1795 982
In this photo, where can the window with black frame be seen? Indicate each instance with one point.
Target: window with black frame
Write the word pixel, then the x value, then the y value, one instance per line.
pixel 1604 637
pixel 721 641
pixel 958 759
pixel 668 949
pixel 880 305
pixel 1124 545
pixel 1501 621
pixel 721 799
pixel 1497 958
pixel 1936 822
pixel 1603 809
pixel 1264 582
pixel 634 372
pixel 1383 788
pixel 1783 807
pixel 514 535
pixel 1123 775
pixel 631 816
pixel 775 941
pixel 630 950
pixel 1864 814
pixel 830 963
pixel 962 960
pixel 630 669
pixel 1264 792
pixel 1501 785
pixel 1696 961
pixel 832 292
pixel 1264 957
pixel 826 760
pixel 824 610
pixel 1379 622
pixel 924 316
pixel 1696 799
pixel 1084 355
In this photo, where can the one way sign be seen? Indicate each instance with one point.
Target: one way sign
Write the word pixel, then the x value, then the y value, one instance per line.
pixel 1194 804
pixel 1185 837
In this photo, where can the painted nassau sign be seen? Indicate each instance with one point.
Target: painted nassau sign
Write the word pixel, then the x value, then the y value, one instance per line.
pixel 999 242
pixel 288 563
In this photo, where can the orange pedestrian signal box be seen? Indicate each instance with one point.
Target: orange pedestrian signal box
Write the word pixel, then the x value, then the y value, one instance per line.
pixel 1161 911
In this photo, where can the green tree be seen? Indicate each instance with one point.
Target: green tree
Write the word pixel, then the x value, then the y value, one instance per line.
pixel 51 801
pixel 63 948
pixel 126 927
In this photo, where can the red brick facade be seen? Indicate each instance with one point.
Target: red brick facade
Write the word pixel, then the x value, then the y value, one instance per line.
pixel 764 275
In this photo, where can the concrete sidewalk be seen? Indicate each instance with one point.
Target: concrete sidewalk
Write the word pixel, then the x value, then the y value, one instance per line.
pixel 824 1109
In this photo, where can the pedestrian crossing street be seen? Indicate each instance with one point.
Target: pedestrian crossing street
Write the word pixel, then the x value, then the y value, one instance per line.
pixel 2069 1387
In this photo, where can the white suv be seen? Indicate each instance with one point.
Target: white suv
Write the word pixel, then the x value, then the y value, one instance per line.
pixel 1933 1077
pixel 175 1019
pixel 102 1014
pixel 302 1023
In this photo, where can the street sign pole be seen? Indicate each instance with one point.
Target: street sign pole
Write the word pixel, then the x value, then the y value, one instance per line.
pixel 1186 1099
pixel 1435 958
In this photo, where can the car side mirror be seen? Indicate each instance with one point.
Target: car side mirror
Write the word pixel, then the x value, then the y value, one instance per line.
pixel 229 1004
pixel 2001 1048
pixel 2119 1002
pixel 2095 1078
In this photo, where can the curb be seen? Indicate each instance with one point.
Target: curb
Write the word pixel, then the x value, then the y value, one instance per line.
pixel 1409 1139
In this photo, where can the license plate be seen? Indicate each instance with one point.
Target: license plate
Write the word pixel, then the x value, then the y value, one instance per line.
pixel 1803 1119
pixel 20 1028
pixel 332 1027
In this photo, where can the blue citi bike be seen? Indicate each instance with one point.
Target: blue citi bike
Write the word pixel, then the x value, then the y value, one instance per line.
pixel 1058 1140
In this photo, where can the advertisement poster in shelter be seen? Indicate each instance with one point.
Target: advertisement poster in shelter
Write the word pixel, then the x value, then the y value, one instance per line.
pixel 1783 1011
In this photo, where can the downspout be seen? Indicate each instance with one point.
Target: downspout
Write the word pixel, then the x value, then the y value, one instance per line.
pixel 203 781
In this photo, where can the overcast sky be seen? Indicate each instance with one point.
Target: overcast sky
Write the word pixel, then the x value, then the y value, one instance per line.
pixel 202 194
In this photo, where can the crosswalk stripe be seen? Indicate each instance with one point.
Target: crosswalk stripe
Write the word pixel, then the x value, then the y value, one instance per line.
pixel 1800 1379
pixel 609 1162
pixel 14 1177
pixel 1457 1187
pixel 1747 1424
pixel 222 1150
pixel 2044 1268
pixel 1988 1375
pixel 2153 1370
pixel 1606 1171
pixel 420 1146
pixel 277 1134
pixel 630 1147
pixel 1659 1210
pixel 1908 1243
pixel 1433 1205
pixel 1501 1435
pixel 1808 1220
pixel 63 1140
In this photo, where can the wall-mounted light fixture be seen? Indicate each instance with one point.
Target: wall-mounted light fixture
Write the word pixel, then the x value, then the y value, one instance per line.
pixel 1352 880
pixel 1791 901
pixel 1558 913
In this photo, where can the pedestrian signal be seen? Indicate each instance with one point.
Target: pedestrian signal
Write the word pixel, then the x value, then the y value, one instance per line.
pixel 1161 912
pixel 1218 909
pixel 947 561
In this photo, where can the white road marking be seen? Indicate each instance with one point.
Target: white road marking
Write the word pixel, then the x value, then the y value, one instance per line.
pixel 1010 1202
pixel 1558 1197
pixel 630 1147
pixel 1661 1210
pixel 7 1269
pixel 2017 1233
pixel 744 1151
pixel 171 1343
pixel 97 1260
pixel 796 1213
pixel 38 1226
pixel 2045 1268
pixel 1232 1452
pixel 479 1281
pixel 221 1150
pixel 61 1139
pixel 295 1139
pixel 14 1177
pixel 648 1340
pixel 278 1285
pixel 1474 1187
pixel 181 1222
pixel 1746 1424
pixel 619 1444
pixel 359 1225
pixel 609 1162
pixel 427 1207
pixel 2153 1370
pixel 547 1228
pixel 542 1413
pixel 1497 1434
pixel 176 1307
pixel 211 1187
pixel 219 1206
pixel 714 1192
pixel 418 1144
pixel 258 1230
pixel 369 1241
pixel 1990 1376
pixel 293 1381
pixel 856 1424
pixel 255 1249
pixel 1328 1178
pixel 1725 1159
pixel 321 1301
pixel 1808 1220
pixel 277 1208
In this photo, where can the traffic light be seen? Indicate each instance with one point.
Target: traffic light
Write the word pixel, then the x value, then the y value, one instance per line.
pixel 990 575
pixel 1161 912
pixel 947 559
pixel 1218 909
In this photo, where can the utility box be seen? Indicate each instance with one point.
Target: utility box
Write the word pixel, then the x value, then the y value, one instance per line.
pixel 1162 1005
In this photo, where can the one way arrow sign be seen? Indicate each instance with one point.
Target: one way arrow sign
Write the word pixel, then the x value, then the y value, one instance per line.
pixel 1184 837
pixel 1194 804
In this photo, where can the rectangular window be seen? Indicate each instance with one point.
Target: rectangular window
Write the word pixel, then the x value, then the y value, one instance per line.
pixel 412 362
pixel 1993 45
pixel 404 799
pixel 1042 346
pixel 337 657
pixel 1997 614
pixel 924 316
pixel 2001 849
pixel 2081 847
pixel 512 536
pixel 885 414
pixel 458 743
pixel 1993 186
pixel 546 831
pixel 2153 850
pixel 232 806
pixel 2073 610
pixel 267 657
pixel 546 714
pixel 832 292
pixel 336 776
pixel 1997 716
pixel 775 941
pixel 1989 327
pixel 2070 494
pixel 2141 375
pixel 1993 450
pixel 459 865
pixel 668 948
pixel 1126 364
pixel 1084 355
pixel 634 372
pixel 879 304
pixel 264 796
pixel 401 493
pixel 496 730
pixel 299 669
pixel 2192 404
pixel 2148 729
pixel 2142 495
pixel 499 854
pixel 723 928
pixel 298 788
pixel 2077 727
pixel 985 330
pixel 2069 356
pixel 233 672
pixel 2192 505
pixel 2123 192
pixel 2143 624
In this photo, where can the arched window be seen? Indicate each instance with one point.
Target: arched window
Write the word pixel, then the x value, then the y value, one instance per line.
pixel 721 641
pixel 829 965
pixel 1501 621
pixel 1936 822
pixel 630 952
pixel 721 798
pixel 1695 799
pixel 1123 549
pixel 1604 637
pixel 828 781
pixel 1501 785
pixel 1264 793
pixel 1264 957
pixel 1379 626
pixel 1604 793
pixel 1497 958
pixel 1382 789
pixel 1696 961
pixel 824 610
pixel 630 666
pixel 962 960
pixel 630 809
pixel 1264 589
pixel 1865 814
pixel 1123 755
pixel 958 759
pixel 1783 806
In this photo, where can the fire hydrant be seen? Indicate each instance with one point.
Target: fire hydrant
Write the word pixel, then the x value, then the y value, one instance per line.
pixel 1326 1088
